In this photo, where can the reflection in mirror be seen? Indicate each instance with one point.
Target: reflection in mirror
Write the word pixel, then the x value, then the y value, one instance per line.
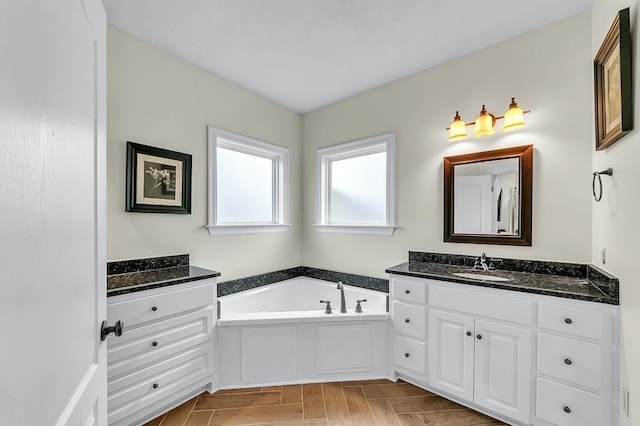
pixel 488 195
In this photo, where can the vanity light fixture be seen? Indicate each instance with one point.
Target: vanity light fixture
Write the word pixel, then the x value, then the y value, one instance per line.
pixel 513 120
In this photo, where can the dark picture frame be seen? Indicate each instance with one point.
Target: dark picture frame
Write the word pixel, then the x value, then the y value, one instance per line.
pixel 613 79
pixel 524 155
pixel 158 180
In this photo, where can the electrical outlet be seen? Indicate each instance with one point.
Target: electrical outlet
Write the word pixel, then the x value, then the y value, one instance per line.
pixel 603 256
pixel 625 401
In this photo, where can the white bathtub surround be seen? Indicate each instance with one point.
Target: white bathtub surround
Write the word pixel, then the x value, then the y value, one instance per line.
pixel 279 334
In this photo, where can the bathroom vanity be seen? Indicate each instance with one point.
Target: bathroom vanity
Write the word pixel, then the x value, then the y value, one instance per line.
pixel 166 353
pixel 528 348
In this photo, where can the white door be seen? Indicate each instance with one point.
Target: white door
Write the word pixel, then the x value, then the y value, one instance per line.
pixel 473 201
pixel 52 212
pixel 451 353
pixel 503 369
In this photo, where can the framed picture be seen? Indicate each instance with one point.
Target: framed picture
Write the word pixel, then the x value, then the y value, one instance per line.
pixel 612 78
pixel 158 180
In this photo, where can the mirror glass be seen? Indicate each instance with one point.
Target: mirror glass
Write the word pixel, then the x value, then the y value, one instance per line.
pixel 488 195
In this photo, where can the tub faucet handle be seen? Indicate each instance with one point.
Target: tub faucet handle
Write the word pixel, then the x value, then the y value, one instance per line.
pixel 358 307
pixel 328 308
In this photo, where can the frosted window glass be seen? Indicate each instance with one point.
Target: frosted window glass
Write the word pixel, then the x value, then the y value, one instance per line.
pixel 359 190
pixel 244 187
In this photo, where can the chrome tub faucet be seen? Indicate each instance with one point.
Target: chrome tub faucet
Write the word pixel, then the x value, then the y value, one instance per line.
pixel 343 305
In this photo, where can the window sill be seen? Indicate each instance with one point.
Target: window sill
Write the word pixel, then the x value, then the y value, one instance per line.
pixel 357 229
pixel 260 228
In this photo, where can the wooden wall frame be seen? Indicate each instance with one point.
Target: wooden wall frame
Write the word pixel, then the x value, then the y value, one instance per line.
pixel 524 154
pixel 613 76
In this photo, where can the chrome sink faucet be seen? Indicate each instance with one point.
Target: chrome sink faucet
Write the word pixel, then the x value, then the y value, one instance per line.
pixel 481 262
pixel 343 305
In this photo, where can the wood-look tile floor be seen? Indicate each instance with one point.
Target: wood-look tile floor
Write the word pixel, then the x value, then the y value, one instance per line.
pixel 366 403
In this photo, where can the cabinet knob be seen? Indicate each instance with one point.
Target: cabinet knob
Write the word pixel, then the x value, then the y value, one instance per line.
pixel 568 321
pixel 106 329
pixel 154 343
pixel 479 336
pixel 567 409
pixel 468 333
pixel 406 355
pixel 407 292
pixel 407 320
pixel 155 386
pixel 568 361
pixel 154 308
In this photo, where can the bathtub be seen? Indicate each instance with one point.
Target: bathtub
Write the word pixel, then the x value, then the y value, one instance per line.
pixel 279 334
pixel 299 299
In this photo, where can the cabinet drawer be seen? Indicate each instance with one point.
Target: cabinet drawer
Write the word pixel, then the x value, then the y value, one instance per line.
pixel 409 290
pixel 139 310
pixel 135 391
pixel 485 303
pixel 554 400
pixel 158 340
pixel 409 354
pixel 409 319
pixel 571 360
pixel 570 319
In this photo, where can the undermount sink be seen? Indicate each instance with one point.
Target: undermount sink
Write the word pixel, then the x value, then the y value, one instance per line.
pixel 476 276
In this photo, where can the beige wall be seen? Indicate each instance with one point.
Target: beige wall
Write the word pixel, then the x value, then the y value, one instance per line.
pixel 157 99
pixel 547 70
pixel 616 219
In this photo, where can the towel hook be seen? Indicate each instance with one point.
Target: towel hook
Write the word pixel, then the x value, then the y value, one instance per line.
pixel 608 172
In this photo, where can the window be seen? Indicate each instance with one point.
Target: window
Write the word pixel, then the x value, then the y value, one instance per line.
pixel 356 187
pixel 248 184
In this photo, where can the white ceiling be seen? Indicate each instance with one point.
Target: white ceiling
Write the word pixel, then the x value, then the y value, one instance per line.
pixel 305 54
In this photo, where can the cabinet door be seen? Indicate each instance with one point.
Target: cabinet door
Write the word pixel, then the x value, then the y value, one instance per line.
pixel 503 369
pixel 451 353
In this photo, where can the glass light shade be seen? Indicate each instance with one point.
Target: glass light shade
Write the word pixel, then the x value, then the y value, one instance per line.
pixel 484 124
pixel 513 118
pixel 457 129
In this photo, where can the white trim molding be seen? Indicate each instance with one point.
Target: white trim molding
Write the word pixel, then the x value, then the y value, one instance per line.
pixel 368 146
pixel 279 155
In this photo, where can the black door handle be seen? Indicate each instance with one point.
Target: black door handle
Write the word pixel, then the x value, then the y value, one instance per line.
pixel 106 329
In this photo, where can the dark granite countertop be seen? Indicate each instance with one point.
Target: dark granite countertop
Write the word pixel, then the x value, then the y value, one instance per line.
pixel 566 286
pixel 129 276
pixel 155 278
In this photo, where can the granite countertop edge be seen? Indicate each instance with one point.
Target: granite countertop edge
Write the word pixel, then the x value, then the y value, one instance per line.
pixel 591 293
pixel 195 274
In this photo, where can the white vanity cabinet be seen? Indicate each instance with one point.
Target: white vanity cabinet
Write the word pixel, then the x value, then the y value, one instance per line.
pixel 409 327
pixel 526 359
pixel 576 374
pixel 166 352
pixel 480 348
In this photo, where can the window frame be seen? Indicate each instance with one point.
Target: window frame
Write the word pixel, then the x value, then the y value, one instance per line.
pixel 325 156
pixel 246 145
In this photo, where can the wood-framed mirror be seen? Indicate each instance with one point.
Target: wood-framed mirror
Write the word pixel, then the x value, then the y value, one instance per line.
pixel 488 197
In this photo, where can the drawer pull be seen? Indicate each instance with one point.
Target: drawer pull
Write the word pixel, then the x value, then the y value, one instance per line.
pixel 154 308
pixel 155 386
pixel 407 292
pixel 567 409
pixel 568 361
pixel 568 321
pixel 407 320
pixel 479 336
pixel 406 355
pixel 154 343
pixel 468 333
